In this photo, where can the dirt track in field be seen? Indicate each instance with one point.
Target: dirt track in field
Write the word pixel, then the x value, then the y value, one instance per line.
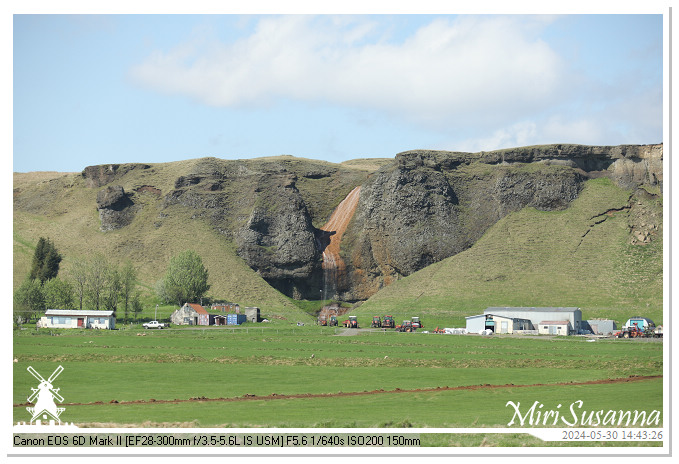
pixel 275 396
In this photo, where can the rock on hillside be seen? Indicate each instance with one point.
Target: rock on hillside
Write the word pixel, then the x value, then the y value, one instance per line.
pixel 431 205
pixel 255 203
pixel 416 210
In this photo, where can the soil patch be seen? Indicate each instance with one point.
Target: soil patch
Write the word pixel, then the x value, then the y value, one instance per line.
pixel 276 396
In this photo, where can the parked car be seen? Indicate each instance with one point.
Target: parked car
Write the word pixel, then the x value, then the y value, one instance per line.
pixel 154 325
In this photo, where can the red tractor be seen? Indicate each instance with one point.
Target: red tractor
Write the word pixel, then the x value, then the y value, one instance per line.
pixel 388 322
pixel 416 323
pixel 407 326
pixel 323 321
pixel 351 323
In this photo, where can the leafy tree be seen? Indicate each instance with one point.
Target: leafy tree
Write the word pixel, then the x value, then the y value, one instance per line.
pixel 97 275
pixel 186 278
pixel 128 278
pixel 58 294
pixel 137 307
pixel 79 277
pixel 112 288
pixel 46 260
pixel 29 298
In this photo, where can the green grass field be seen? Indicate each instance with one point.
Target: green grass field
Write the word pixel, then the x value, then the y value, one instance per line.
pixel 302 377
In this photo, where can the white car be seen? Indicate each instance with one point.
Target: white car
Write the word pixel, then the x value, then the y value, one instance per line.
pixel 153 325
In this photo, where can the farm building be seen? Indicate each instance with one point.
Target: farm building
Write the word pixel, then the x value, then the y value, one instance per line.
pixel 252 314
pixel 555 328
pixel 641 322
pixel 74 319
pixel 226 307
pixel 539 314
pixel 498 324
pixel 217 319
pixel 512 319
pixel 190 314
pixel 599 326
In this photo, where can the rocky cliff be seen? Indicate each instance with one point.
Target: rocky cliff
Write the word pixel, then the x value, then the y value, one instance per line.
pixel 430 205
pixel 418 209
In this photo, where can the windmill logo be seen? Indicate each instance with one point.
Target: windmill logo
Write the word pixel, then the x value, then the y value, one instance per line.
pixel 45 407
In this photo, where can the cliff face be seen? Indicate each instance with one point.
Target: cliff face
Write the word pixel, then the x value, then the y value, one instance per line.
pixel 431 205
pixel 422 207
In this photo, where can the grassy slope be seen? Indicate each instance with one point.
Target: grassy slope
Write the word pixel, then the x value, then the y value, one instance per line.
pixel 535 258
pixel 72 222
pixel 61 207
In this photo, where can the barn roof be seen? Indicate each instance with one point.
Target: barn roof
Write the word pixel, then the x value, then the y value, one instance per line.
pixel 533 308
pixel 198 308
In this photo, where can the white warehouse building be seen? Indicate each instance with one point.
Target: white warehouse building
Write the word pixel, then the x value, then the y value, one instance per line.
pixel 510 319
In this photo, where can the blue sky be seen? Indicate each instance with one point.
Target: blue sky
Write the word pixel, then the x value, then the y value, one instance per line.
pixel 95 89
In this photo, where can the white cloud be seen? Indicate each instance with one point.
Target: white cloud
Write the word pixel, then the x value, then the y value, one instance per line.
pixel 484 70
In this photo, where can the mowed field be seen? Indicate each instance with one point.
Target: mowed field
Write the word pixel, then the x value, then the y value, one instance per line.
pixel 258 376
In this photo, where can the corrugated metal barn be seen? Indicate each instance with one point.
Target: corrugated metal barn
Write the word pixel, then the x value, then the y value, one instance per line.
pixel 540 314
pixel 512 319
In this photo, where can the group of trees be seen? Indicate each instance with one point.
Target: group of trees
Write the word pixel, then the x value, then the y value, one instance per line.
pixel 97 284
pixel 92 283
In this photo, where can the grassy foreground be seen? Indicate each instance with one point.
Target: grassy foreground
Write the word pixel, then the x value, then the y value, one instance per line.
pixel 167 378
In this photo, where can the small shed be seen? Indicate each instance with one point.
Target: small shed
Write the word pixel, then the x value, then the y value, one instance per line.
pixel 600 326
pixel 251 313
pixel 190 314
pixel 225 307
pixel 555 328
pixel 77 319
pixel 217 319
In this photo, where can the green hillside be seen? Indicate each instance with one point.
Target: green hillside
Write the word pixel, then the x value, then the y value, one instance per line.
pixel 62 207
pixel 582 256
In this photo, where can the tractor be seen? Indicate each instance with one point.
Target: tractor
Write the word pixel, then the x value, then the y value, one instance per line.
pixel 351 323
pixel 333 321
pixel 323 321
pixel 376 322
pixel 407 326
pixel 631 332
pixel 416 323
pixel 388 322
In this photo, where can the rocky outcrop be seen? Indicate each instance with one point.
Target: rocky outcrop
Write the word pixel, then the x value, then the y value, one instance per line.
pixel 100 175
pixel 116 209
pixel 432 204
pixel 279 242
pixel 421 208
